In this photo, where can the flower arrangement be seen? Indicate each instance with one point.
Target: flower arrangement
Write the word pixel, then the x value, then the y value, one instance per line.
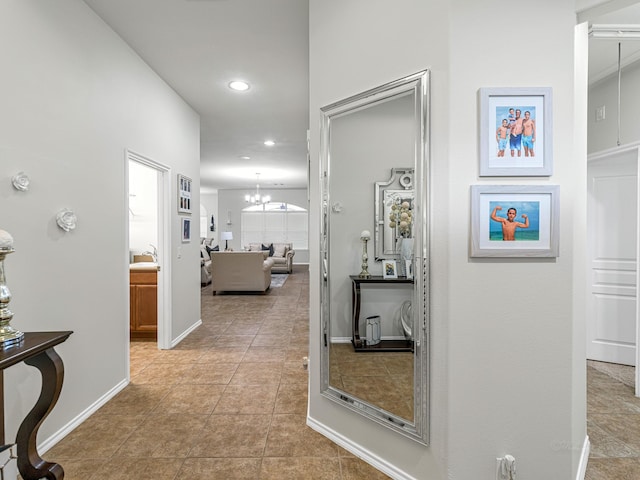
pixel 401 217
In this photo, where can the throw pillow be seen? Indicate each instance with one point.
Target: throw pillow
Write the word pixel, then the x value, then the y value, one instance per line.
pixel 268 247
pixel 279 249
pixel 254 247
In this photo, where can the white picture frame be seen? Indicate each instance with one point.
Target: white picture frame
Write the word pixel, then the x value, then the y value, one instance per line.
pixel 184 194
pixel 389 268
pixel 532 232
pixel 527 110
pixel 186 229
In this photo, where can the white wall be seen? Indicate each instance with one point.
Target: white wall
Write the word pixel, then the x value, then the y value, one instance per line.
pixel 604 134
pixel 504 374
pixel 210 202
pixel 74 97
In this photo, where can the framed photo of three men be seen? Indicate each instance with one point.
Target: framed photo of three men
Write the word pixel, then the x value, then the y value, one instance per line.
pixel 516 132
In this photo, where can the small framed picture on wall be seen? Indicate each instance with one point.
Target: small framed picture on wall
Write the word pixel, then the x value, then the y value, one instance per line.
pixel 184 194
pixel 186 230
pixel 514 220
pixel 515 132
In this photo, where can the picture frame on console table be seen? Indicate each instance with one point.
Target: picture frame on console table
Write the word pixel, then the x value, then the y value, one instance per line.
pixel 184 194
pixel 515 221
pixel 389 268
pixel 506 115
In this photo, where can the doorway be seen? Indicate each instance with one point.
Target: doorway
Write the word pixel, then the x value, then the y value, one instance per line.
pixel 612 245
pixel 148 203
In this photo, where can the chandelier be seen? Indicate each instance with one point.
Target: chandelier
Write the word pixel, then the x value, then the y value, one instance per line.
pixel 255 197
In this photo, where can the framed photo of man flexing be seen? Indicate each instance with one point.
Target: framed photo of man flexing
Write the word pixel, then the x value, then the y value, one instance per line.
pixel 516 132
pixel 514 220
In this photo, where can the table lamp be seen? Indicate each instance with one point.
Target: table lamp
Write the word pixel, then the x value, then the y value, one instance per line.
pixel 226 236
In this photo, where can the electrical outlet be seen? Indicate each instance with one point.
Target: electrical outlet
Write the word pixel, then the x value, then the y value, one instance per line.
pixel 600 113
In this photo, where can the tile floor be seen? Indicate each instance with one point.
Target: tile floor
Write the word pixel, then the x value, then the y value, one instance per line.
pixel 384 379
pixel 613 423
pixel 229 402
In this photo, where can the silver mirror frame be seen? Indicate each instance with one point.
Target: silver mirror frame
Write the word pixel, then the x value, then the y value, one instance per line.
pixel 418 84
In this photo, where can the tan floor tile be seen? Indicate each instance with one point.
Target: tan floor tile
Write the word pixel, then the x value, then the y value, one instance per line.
pixel 135 399
pixel 237 328
pixel 294 372
pixel 292 398
pixel 209 373
pixel 232 436
pixel 233 341
pixel 197 399
pixel 257 374
pixel 119 468
pixel 223 355
pixel 300 469
pixel 613 469
pixel 247 399
pixel 161 373
pixel 163 435
pixel 78 469
pixel 99 436
pixel 289 436
pixel 264 354
pixel 356 469
pixel 271 341
pixel 220 469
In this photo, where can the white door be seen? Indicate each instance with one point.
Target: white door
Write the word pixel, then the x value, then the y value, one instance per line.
pixel 612 214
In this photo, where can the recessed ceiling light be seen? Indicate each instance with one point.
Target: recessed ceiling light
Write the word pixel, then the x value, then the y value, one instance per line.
pixel 245 157
pixel 239 85
pixel 269 143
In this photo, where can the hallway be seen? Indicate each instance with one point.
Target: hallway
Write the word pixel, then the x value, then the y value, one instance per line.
pixel 229 402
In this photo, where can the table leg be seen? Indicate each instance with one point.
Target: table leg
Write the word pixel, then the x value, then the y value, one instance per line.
pixel 30 465
pixel 355 320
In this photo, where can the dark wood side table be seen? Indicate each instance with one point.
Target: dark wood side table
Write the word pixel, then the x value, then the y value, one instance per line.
pixel 384 345
pixel 36 350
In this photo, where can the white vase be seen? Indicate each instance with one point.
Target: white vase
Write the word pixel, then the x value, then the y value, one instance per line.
pixel 405 250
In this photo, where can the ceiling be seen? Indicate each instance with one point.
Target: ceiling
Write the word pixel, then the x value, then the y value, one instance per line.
pixel 198 47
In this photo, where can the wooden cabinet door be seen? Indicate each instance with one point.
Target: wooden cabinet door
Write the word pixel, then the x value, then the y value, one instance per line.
pixel 147 307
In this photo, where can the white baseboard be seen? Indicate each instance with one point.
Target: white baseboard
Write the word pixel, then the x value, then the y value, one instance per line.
pixel 359 451
pixel 184 334
pixel 48 443
pixel 584 459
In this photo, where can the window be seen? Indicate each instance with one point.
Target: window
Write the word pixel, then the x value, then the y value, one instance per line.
pixel 275 223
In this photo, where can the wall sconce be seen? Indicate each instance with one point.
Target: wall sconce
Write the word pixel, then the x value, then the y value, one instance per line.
pixel 66 220
pixel 20 181
pixel 228 217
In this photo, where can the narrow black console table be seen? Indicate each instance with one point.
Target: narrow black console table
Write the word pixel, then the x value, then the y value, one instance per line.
pixel 384 345
pixel 36 349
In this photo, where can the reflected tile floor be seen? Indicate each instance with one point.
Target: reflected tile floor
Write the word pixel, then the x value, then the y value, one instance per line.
pixel 613 422
pixel 229 402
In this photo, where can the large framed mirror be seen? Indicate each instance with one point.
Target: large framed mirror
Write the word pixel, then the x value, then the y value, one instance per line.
pixel 375 286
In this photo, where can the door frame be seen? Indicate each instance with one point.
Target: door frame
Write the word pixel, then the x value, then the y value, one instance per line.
pixel 164 243
pixel 635 146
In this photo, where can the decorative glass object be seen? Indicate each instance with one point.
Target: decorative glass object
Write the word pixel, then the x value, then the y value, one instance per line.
pixel 8 335
pixel 20 181
pixel 66 220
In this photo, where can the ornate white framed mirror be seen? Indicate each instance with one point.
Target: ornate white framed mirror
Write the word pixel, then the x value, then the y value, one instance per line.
pixel 375 177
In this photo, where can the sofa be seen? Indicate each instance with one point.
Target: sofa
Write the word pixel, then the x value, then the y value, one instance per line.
pixel 205 266
pixel 240 271
pixel 282 254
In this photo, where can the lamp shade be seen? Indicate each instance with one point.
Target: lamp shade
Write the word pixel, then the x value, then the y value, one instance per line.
pixel 226 236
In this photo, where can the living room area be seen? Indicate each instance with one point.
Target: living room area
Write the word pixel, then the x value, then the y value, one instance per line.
pixel 231 223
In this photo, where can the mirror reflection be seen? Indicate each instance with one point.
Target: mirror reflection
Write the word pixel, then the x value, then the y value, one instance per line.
pixel 374 176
